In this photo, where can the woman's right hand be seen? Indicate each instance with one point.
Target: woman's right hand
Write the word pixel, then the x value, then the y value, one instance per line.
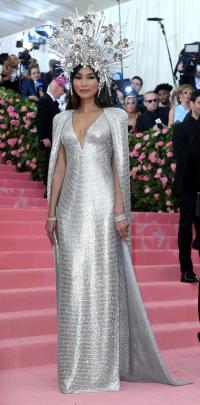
pixel 50 228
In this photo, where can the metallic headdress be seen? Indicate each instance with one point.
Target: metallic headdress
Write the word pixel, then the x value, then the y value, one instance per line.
pixel 86 41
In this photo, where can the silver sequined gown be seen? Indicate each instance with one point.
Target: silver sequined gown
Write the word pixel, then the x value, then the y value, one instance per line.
pixel 103 332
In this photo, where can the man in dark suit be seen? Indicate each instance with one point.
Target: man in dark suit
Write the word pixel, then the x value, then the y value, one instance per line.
pixel 47 109
pixel 182 137
pixel 153 113
pixel 33 88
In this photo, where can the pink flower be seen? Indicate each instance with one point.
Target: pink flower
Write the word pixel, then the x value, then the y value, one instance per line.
pixel 146 137
pixel 159 170
pixel 15 123
pixel 165 130
pixel 157 176
pixel 2 102
pixel 146 178
pixel 34 160
pixel 28 162
pixel 3 154
pixel 156 196
pixel 1 117
pixel 164 180
pixel 23 109
pixel 168 203
pixel 153 157
pixel 12 141
pixel 141 157
pixel 169 154
pixel 3 126
pixel 33 130
pixel 11 100
pixel 139 134
pixel 2 145
pixel 162 162
pixel 168 191
pixel 147 190
pixel 173 167
pixel 138 146
pixel 10 108
pixel 149 167
pixel 30 114
pixel 135 153
pixel 169 144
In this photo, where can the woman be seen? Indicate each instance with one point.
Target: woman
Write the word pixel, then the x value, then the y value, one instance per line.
pixel 130 108
pixel 33 88
pixel 103 331
pixel 178 112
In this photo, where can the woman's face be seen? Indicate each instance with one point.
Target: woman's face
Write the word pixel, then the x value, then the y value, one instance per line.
pixel 186 95
pixel 85 83
pixel 35 74
pixel 130 105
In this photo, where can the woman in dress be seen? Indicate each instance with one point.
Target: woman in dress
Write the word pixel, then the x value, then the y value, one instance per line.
pixel 178 112
pixel 130 108
pixel 103 331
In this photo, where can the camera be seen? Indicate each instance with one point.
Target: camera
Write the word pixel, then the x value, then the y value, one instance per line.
pixel 190 57
pixel 24 57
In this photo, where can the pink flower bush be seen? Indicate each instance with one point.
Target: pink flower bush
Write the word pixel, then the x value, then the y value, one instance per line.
pixel 18 135
pixel 152 171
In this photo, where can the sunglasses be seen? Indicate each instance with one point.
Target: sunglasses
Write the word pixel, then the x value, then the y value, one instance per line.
pixel 154 100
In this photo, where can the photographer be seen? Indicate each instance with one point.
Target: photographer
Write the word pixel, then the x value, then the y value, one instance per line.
pixel 189 65
pixel 33 88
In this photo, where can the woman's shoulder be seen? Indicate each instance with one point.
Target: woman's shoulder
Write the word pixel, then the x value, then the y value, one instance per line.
pixel 116 112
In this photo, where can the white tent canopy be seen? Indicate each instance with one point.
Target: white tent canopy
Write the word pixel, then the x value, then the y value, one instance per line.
pixel 149 58
pixel 19 15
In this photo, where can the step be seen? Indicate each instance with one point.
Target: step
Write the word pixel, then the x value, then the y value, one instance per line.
pixel 160 257
pixel 13 175
pixel 157 272
pixel 155 230
pixel 23 278
pixel 23 214
pixel 19 299
pixel 150 242
pixel 20 192
pixel 155 217
pixel 21 183
pixel 28 323
pixel 181 334
pixel 18 202
pixel 22 228
pixel 23 243
pixel 26 259
pixel 26 351
pixel 7 168
pixel 37 350
pixel 173 311
pixel 168 290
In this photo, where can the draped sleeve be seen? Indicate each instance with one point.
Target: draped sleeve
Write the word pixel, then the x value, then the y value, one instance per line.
pixel 58 123
pixel 118 121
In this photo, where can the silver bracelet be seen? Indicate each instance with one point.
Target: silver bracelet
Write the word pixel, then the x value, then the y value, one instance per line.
pixel 120 218
pixel 51 219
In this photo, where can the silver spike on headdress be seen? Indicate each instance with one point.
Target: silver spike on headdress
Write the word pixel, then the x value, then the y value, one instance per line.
pixel 86 41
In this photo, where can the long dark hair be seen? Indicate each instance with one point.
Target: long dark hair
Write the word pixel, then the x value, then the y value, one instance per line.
pixel 103 100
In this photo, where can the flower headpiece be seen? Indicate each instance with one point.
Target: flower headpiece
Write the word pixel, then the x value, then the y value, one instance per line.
pixel 86 41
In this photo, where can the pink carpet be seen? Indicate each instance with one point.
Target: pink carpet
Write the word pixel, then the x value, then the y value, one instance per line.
pixel 27 303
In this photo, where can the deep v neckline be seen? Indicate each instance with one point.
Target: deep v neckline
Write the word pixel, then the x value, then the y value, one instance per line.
pixel 85 134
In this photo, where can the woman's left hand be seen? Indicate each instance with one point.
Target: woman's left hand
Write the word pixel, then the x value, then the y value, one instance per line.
pixel 122 229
